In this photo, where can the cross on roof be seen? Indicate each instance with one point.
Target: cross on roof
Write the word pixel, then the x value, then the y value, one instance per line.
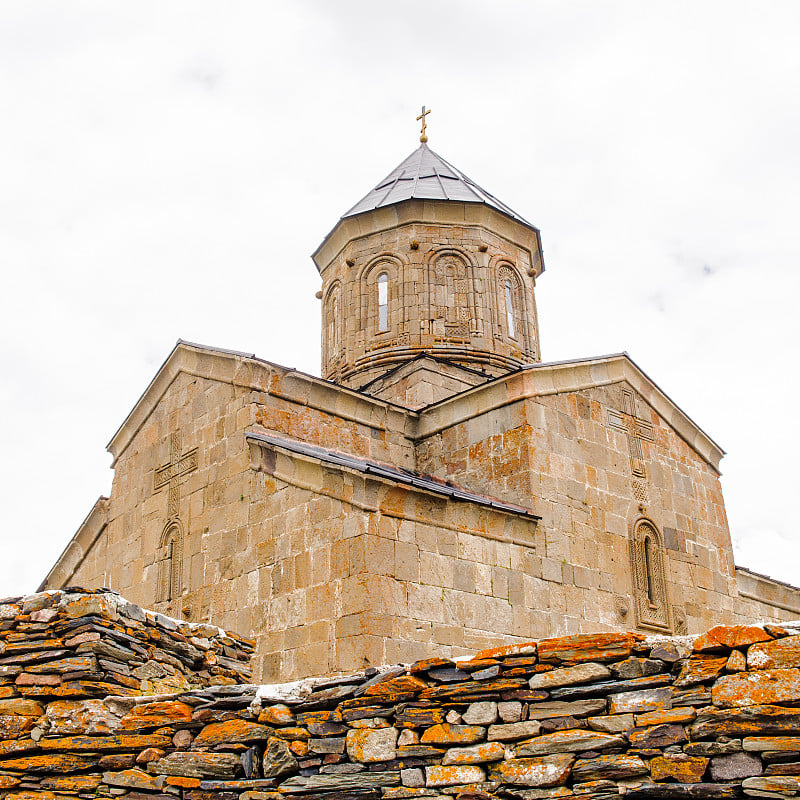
pixel 422 137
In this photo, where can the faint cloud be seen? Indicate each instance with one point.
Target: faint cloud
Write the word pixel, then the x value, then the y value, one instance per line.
pixel 204 74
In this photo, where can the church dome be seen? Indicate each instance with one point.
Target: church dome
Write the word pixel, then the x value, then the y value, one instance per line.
pixel 427 266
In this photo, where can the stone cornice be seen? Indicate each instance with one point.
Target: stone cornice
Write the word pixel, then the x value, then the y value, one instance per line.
pixel 429 212
pixel 245 370
pixel 80 544
pixel 538 380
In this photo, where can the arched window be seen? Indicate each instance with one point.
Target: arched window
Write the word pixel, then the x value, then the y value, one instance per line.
pixel 383 302
pixel 510 324
pixel 648 576
pixel 170 583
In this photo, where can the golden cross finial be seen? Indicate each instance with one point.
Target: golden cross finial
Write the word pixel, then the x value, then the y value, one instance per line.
pixel 422 137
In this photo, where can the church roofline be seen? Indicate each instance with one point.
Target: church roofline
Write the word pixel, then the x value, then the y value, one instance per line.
pixel 415 480
pixel 236 367
pixel 429 212
pixel 556 377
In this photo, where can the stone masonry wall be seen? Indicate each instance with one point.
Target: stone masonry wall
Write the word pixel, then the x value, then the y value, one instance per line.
pixel 585 716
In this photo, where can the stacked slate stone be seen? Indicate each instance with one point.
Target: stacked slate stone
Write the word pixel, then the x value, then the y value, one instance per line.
pixel 587 716
pixel 79 643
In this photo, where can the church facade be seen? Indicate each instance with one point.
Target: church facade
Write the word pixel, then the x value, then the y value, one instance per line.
pixel 440 488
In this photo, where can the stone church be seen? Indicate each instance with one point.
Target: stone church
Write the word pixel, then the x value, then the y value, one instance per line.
pixel 439 488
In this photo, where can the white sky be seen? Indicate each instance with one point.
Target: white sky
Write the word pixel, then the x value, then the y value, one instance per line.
pixel 166 169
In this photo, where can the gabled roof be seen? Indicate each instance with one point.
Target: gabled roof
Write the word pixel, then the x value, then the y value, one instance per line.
pixel 425 175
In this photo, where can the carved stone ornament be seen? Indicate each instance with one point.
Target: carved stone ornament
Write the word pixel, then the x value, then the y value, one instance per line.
pixel 621 608
pixel 648 557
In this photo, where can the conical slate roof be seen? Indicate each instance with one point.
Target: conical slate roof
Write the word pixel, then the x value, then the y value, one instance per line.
pixel 424 175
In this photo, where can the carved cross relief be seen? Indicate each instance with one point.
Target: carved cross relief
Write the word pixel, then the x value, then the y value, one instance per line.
pixel 638 430
pixel 170 552
pixel 171 473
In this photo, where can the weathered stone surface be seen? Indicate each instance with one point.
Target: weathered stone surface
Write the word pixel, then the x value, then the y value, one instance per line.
pixel 728 637
pixel 105 743
pixel 656 736
pixel 608 768
pixel 777 654
pixel 134 779
pixel 513 730
pixel 559 708
pixel 411 717
pixel 766 719
pixel 475 754
pixel 153 715
pixel 18 706
pixel 781 785
pixel 678 767
pixel 724 747
pixel 438 776
pixel 641 701
pixel 453 734
pixel 568 742
pixel 756 688
pixel 278 758
pixel 483 713
pixel 735 766
pixel 277 715
pixel 510 711
pixel 52 762
pixel 667 716
pixel 330 783
pixel 616 723
pixel 699 669
pixel 369 745
pixel 14 725
pixel 737 662
pixel 757 744
pixel 637 667
pixel 601 647
pixel 197 765
pixel 81 716
pixel 231 731
pixel 569 676
pixel 539 772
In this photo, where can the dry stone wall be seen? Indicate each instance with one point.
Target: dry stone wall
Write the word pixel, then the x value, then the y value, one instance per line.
pixel 585 716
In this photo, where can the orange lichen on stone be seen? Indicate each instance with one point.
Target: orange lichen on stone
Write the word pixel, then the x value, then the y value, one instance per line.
pixel 588 647
pixel 524 648
pixel 184 783
pixel 678 767
pixel 233 730
pixel 756 688
pixel 151 715
pixel 729 637
pixel 452 734
pixel 775 654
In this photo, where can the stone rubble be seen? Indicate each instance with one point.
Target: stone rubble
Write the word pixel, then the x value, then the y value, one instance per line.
pixel 100 699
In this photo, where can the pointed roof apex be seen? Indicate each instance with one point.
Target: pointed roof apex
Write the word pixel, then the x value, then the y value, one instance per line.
pixel 425 175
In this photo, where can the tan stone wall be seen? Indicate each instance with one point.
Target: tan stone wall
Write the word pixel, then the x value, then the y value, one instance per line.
pixel 560 454
pixel 444 299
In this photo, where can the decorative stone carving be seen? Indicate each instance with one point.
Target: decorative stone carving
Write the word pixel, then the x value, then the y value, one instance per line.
pixel 647 555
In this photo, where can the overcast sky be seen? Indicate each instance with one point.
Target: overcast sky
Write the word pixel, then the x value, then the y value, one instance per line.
pixel 166 170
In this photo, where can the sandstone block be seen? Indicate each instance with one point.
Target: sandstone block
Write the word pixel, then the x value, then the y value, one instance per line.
pixel 453 734
pixel 779 653
pixel 728 637
pixel 513 730
pixel 756 688
pixel 659 736
pixel 571 741
pixel 699 669
pixel 81 716
pixel 756 744
pixel 560 708
pixel 608 768
pixel 678 767
pixel 439 776
pixel 155 715
pixel 475 754
pixel 197 765
pixel 667 716
pixel 601 647
pixel 569 676
pixel 640 701
pixel 615 723
pixel 370 745
pixel 510 711
pixel 232 731
pixel 483 713
pixel 541 772
pixel 781 785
